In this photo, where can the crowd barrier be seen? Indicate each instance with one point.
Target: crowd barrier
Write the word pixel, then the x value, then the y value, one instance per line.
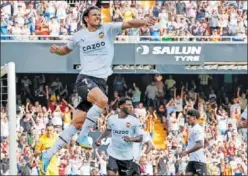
pixel 128 39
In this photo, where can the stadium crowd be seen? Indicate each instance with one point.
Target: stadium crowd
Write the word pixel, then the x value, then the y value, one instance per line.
pixel 44 100
pixel 207 20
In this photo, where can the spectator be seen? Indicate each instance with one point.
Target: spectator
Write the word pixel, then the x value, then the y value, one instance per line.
pixel 161 114
pixel 5 26
pixel 180 8
pixel 102 162
pixel 221 128
pixel 128 13
pixel 163 20
pixel 242 99
pixel 160 87
pixel 151 94
pixel 179 100
pixel 190 9
pixel 204 81
pixel 155 10
pixel 65 17
pixel 119 84
pixel 115 101
pixel 136 95
pixel 61 7
pixel 56 85
pixel 4 126
pixel 170 83
pixel 140 112
pixel 214 21
pixel 116 13
pixel 53 27
pixel 145 31
pixel 171 108
pixel 15 30
pixel 220 117
pixel 155 32
pixel 31 17
pixel 233 19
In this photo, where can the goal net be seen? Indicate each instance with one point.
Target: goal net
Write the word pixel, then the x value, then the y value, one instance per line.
pixel 8 100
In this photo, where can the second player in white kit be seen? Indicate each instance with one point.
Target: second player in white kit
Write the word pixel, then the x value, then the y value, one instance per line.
pixel 125 130
pixel 195 148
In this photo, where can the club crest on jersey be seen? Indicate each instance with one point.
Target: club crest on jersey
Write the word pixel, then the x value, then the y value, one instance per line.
pixel 128 125
pixel 101 35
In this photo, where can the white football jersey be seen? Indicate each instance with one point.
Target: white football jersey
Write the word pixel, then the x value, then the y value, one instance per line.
pixel 96 49
pixel 196 133
pixel 120 127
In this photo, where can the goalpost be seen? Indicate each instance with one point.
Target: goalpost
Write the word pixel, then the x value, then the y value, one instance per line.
pixel 9 70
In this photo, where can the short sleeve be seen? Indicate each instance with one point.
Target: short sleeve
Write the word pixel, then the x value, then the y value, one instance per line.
pixel 138 129
pixel 199 135
pixel 72 43
pixel 114 29
pixel 109 124
pixel 146 137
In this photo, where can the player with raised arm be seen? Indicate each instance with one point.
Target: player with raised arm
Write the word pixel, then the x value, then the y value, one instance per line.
pixel 125 130
pixel 195 148
pixel 96 47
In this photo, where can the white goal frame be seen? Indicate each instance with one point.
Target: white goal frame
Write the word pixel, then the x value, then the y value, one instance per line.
pixel 9 69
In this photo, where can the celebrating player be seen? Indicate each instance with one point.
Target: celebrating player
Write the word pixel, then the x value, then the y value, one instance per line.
pixel 197 163
pixel 96 47
pixel 125 130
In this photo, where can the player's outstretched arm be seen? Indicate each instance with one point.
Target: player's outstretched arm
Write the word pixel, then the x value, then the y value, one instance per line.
pixel 60 50
pixel 136 23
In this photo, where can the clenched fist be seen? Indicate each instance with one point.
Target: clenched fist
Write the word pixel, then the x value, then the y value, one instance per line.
pixel 54 48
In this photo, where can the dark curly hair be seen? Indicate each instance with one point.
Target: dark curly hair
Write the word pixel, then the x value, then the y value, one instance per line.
pixel 193 112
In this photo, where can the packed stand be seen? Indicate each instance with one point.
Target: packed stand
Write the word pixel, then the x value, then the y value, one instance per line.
pixel 56 18
pixel 41 102
pixel 207 20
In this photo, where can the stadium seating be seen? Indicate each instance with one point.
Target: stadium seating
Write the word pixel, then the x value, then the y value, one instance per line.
pixel 184 18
